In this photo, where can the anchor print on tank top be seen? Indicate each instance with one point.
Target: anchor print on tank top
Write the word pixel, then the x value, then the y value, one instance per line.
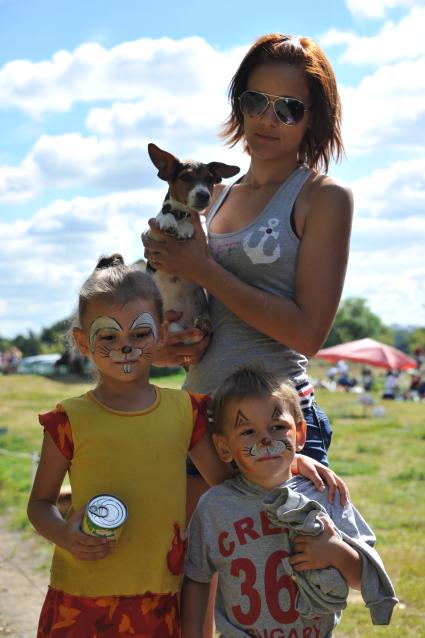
pixel 261 245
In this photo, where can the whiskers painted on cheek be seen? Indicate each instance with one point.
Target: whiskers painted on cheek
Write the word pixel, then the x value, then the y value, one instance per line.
pixel 103 351
pixel 147 353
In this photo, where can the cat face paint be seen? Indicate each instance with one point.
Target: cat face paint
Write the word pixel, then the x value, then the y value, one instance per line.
pixel 107 338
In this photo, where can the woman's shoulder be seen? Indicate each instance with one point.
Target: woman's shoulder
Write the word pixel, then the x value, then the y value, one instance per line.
pixel 326 189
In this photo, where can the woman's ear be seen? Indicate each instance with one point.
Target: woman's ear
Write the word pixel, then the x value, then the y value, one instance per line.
pixel 81 340
pixel 222 448
pixel 301 435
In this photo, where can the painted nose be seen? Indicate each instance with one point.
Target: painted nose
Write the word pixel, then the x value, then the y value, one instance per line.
pixel 126 349
pixel 266 441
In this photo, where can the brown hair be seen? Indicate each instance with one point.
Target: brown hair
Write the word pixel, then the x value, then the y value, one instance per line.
pixel 322 140
pixel 114 281
pixel 252 382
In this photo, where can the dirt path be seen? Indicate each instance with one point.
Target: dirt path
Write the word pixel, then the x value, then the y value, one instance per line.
pixel 24 562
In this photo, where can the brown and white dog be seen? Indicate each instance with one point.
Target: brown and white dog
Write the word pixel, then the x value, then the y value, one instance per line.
pixel 190 188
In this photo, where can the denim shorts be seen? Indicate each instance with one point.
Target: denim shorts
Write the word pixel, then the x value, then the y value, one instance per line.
pixel 319 435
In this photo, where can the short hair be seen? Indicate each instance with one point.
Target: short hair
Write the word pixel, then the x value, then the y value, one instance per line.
pixel 252 382
pixel 322 140
pixel 114 281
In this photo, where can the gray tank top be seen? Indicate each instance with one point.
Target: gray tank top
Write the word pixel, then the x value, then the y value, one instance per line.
pixel 264 255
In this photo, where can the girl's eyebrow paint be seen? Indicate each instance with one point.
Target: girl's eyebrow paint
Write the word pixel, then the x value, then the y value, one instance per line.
pixel 240 419
pixel 102 323
pixel 145 319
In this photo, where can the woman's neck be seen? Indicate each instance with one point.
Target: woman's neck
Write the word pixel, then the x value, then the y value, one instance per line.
pixel 128 397
pixel 263 173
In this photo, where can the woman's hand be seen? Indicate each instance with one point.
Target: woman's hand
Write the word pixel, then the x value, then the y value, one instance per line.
pixel 315 471
pixel 83 546
pixel 180 348
pixel 187 258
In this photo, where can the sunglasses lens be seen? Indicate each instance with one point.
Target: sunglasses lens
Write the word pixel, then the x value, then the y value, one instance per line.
pixel 289 111
pixel 253 103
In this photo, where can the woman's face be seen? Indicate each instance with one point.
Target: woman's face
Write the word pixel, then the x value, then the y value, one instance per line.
pixel 267 137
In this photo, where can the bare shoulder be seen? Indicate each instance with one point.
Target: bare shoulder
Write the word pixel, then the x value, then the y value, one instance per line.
pixel 325 191
pixel 218 189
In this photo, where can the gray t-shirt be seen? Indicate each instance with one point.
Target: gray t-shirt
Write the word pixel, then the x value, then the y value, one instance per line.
pixel 231 534
pixel 263 254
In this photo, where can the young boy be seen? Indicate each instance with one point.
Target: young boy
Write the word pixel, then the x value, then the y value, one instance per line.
pixel 284 561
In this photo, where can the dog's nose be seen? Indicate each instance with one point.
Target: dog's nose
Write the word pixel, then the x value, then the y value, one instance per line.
pixel 126 349
pixel 203 199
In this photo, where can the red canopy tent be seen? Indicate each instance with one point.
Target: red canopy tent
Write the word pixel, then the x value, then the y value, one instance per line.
pixel 370 352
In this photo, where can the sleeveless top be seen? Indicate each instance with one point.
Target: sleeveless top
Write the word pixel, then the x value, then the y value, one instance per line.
pixel 140 457
pixel 264 255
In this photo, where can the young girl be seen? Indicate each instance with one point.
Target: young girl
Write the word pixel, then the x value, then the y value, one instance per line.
pixel 115 439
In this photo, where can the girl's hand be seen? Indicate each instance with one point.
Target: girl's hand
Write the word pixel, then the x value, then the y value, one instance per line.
pixel 83 546
pixel 316 552
pixel 315 471
pixel 187 259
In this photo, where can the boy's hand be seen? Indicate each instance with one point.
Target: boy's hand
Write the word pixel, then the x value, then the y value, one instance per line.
pixel 316 552
pixel 83 546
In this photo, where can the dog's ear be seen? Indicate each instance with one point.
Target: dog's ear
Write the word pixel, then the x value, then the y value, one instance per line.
pixel 220 170
pixel 165 162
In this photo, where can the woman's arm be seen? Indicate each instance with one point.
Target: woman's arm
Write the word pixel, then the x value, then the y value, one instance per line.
pixel 303 322
pixel 45 516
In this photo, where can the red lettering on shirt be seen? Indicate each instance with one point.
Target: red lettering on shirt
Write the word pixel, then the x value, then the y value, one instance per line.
pixel 268 528
pixel 225 551
pixel 245 527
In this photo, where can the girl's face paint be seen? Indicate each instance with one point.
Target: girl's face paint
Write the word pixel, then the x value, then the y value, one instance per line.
pixel 124 337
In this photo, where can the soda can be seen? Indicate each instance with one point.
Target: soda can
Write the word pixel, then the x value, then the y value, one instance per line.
pixel 105 516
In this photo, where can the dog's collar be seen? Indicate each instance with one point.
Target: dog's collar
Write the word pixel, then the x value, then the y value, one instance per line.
pixel 179 214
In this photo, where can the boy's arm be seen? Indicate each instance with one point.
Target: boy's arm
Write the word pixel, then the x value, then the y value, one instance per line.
pixel 327 550
pixel 194 602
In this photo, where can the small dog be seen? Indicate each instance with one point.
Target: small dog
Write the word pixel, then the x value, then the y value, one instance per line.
pixel 190 188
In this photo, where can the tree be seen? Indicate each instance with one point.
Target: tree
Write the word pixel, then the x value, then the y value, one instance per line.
pixel 354 320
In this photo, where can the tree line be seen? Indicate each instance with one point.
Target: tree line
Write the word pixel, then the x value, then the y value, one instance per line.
pixel 354 320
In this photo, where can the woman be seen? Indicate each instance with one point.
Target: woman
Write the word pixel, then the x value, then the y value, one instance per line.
pixel 278 238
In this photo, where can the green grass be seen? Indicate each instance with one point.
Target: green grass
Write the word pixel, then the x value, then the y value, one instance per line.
pixel 381 459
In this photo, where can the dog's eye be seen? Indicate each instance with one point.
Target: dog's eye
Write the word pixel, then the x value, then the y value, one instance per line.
pixel 185 177
pixel 211 179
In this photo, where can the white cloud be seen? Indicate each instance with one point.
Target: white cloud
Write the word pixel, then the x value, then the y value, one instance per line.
pixel 130 71
pixel 386 110
pixel 45 259
pixel 401 40
pixel 377 8
pixel 397 192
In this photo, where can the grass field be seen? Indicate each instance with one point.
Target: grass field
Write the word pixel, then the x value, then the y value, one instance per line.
pixel 381 459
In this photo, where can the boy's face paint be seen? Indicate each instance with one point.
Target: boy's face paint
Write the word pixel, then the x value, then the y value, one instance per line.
pixel 260 435
pixel 109 338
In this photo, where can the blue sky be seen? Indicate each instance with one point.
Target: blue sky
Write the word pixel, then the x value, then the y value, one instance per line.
pixel 84 86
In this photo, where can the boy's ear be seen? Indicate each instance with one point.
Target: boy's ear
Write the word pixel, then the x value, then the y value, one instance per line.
pixel 301 435
pixel 81 340
pixel 222 448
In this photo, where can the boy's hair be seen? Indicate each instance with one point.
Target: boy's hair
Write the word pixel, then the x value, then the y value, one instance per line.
pixel 252 382
pixel 322 139
pixel 112 280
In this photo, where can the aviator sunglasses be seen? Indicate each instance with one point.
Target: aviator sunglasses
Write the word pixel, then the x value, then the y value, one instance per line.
pixel 288 110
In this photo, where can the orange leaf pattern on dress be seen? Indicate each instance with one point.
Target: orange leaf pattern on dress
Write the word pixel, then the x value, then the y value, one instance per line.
pixel 68 614
pixel 57 424
pixel 200 405
pixel 175 556
pixel 145 616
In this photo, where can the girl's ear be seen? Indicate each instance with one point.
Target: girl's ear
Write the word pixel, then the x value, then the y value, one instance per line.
pixel 81 340
pixel 222 448
pixel 301 435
